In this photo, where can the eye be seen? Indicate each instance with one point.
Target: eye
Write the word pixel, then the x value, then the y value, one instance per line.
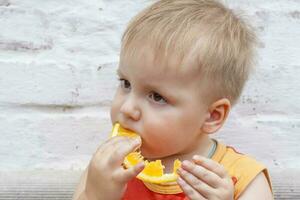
pixel 157 98
pixel 125 84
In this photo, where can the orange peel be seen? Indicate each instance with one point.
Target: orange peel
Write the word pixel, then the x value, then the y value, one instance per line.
pixel 154 170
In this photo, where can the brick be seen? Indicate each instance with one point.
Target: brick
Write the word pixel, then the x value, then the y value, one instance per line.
pixel 51 140
pixel 56 83
pixel 57 79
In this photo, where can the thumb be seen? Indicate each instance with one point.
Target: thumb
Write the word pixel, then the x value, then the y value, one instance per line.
pixel 125 175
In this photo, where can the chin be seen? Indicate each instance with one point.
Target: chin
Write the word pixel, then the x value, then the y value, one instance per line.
pixel 151 155
pixel 147 154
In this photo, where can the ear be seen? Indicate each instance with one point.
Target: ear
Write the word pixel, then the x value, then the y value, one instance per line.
pixel 216 116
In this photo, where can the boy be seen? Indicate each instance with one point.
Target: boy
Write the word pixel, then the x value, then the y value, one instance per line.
pixel 183 65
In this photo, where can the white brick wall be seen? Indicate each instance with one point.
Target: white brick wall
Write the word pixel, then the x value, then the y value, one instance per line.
pixel 57 79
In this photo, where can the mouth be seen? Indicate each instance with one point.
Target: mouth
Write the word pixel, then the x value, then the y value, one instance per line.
pixel 124 131
pixel 125 128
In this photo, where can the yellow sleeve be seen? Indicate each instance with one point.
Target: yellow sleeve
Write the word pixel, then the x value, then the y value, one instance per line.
pixel 245 169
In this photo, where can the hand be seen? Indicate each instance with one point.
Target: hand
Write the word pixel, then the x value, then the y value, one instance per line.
pixel 106 178
pixel 204 178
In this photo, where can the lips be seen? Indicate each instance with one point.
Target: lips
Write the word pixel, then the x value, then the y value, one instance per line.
pixel 124 126
pixel 127 129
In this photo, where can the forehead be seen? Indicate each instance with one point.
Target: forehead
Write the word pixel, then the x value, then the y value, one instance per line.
pixel 157 64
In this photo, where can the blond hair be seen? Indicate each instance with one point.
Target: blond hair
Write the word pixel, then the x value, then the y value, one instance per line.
pixel 219 43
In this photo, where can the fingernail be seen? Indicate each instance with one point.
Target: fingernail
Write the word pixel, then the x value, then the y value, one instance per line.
pixel 140 165
pixel 182 172
pixel 186 163
pixel 137 140
pixel 180 181
pixel 196 157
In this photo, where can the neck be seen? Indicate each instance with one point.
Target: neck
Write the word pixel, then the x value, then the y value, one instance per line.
pixel 202 148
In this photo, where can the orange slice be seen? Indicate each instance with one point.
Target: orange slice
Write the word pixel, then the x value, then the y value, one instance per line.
pixel 154 170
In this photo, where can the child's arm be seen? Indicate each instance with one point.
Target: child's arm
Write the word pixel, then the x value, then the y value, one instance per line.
pixel 206 179
pixel 79 193
pixel 258 189
pixel 105 178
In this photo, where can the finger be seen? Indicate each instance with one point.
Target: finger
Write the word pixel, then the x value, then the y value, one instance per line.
pixel 189 191
pixel 209 177
pixel 211 165
pixel 107 156
pixel 102 154
pixel 122 148
pixel 198 185
pixel 124 175
pixel 110 145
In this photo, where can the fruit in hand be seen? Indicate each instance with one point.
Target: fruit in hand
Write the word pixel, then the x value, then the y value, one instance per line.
pixel 154 170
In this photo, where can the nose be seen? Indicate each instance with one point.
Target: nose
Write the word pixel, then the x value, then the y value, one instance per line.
pixel 130 108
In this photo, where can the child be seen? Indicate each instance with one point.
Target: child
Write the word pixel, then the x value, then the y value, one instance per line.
pixel 183 65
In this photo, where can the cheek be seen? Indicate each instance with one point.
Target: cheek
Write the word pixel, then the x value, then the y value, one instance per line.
pixel 162 141
pixel 113 114
pixel 115 107
pixel 162 134
pixel 170 132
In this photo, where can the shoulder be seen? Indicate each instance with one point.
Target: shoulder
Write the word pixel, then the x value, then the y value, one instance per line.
pixel 259 188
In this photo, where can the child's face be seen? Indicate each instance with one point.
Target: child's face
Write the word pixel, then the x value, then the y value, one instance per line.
pixel 164 107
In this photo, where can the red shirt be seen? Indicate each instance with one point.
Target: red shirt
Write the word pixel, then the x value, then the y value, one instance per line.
pixel 136 190
pixel 243 169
